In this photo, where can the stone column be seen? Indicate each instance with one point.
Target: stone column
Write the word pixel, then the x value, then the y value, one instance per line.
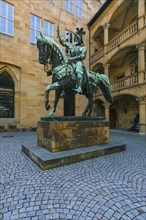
pixel 141 61
pixel 106 68
pixel 142 114
pixel 141 12
pixel 107 107
pixel 106 36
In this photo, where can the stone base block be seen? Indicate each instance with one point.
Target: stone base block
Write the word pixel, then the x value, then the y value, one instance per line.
pixel 66 133
pixel 65 140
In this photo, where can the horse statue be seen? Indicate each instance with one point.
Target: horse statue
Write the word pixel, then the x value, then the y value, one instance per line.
pixel 55 62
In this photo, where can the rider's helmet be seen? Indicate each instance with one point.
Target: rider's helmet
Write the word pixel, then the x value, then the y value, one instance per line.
pixel 79 33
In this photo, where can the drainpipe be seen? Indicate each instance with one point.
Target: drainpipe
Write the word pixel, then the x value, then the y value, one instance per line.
pixel 89 44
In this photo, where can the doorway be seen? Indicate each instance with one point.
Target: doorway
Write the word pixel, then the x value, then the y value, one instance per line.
pixel 112 118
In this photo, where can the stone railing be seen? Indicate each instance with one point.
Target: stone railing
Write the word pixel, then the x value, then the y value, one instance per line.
pixel 97 55
pixel 126 33
pixel 125 82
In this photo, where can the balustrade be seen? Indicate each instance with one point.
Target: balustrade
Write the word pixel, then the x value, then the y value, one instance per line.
pixel 122 36
pixel 126 33
pixel 124 82
pixel 97 55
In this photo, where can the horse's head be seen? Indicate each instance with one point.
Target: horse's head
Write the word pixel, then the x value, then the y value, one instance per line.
pixel 44 52
pixel 49 49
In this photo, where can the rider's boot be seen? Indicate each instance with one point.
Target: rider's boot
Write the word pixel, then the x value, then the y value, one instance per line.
pixel 78 88
pixel 62 95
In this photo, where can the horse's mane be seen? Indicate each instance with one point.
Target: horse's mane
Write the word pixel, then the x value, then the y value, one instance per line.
pixel 60 55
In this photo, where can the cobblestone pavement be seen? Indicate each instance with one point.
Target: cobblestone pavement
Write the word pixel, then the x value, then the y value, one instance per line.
pixel 110 187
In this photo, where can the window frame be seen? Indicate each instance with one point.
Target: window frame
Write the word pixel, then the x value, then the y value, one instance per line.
pixel 7 17
pixel 71 39
pixel 69 5
pixel 35 28
pixel 50 25
pixel 79 8
pixel 8 91
pixel 51 1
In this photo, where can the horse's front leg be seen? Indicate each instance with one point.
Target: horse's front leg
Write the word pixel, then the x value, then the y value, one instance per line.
pixel 47 106
pixel 57 96
pixel 49 88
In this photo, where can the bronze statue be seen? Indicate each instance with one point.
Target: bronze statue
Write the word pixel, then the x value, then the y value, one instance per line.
pixel 68 74
pixel 78 54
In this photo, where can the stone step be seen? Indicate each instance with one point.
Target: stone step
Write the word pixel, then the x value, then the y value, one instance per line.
pixel 47 160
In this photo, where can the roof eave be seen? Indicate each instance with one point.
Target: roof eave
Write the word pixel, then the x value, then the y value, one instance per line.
pixel 99 12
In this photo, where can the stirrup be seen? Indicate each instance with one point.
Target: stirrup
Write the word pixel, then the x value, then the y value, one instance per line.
pixel 78 90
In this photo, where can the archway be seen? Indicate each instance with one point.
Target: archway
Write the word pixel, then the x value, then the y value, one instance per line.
pixel 98 39
pixel 125 15
pixel 112 118
pixel 98 108
pixel 124 111
pixel 99 68
pixel 124 63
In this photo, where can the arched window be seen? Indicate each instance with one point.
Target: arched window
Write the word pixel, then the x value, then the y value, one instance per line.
pixel 6 96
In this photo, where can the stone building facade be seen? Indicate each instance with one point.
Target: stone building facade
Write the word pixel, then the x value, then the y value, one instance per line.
pixel 118 49
pixel 22 78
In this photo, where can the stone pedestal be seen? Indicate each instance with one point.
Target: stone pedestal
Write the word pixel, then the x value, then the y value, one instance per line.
pixel 66 133
pixel 65 140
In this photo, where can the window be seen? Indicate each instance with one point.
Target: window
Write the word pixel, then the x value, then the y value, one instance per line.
pixel 69 5
pixel 69 38
pixel 49 29
pixel 6 96
pixel 35 28
pixel 79 8
pixel 6 18
pixel 51 1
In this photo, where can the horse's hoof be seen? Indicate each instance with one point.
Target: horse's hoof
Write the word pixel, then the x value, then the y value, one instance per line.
pixel 48 107
pixel 51 114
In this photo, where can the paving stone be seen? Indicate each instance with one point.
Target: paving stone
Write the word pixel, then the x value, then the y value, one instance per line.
pixel 105 188
pixel 35 218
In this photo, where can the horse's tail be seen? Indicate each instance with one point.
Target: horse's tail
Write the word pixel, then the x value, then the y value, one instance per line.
pixel 105 87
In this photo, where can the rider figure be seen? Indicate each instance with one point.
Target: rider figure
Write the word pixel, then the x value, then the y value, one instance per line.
pixel 78 53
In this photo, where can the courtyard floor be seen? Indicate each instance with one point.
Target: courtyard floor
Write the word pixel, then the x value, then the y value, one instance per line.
pixel 112 187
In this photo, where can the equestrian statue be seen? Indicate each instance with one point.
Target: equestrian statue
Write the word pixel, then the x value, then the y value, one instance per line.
pixel 70 73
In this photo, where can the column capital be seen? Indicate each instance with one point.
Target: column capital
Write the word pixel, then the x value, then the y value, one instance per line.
pixel 141 46
pixel 106 105
pixel 106 65
pixel 141 99
pixel 106 25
